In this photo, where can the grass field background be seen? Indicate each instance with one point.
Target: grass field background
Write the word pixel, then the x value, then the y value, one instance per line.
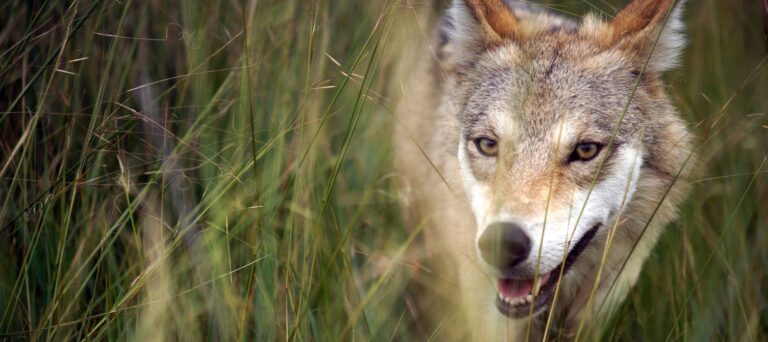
pixel 222 170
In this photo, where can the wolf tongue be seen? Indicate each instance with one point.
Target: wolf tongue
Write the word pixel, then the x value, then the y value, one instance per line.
pixel 515 288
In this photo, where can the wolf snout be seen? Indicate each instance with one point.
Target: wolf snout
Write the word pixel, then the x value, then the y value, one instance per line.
pixel 504 245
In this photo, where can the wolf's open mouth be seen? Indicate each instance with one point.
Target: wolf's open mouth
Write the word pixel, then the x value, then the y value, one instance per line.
pixel 516 296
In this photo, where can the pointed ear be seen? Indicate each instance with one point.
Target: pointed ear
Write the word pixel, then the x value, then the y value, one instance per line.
pixel 497 21
pixel 638 26
pixel 477 25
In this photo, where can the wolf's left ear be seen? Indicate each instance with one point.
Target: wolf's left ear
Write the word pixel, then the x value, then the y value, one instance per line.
pixel 646 26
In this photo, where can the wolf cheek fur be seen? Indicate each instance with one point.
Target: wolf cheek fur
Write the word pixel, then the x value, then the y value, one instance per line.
pixel 541 90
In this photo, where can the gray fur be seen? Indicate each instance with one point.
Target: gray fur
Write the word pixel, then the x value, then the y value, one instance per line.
pixel 522 94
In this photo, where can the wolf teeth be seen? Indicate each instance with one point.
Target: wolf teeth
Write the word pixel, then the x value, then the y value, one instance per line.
pixel 528 299
pixel 536 287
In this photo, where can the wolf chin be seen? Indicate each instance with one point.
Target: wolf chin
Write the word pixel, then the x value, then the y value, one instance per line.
pixel 543 157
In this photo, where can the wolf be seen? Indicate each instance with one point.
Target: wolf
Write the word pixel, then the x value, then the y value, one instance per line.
pixel 543 158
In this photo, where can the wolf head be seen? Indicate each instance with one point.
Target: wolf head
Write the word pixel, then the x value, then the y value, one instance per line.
pixel 565 129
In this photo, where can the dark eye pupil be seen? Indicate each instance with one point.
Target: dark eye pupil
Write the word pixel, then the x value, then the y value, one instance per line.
pixel 486 146
pixel 587 151
pixel 584 152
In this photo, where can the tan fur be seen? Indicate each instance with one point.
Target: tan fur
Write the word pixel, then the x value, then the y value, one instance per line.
pixel 547 85
pixel 498 21
pixel 638 16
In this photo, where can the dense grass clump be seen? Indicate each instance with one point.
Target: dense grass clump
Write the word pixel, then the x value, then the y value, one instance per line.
pixel 222 170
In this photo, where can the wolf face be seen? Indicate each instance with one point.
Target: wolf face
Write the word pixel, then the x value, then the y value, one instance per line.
pixel 560 124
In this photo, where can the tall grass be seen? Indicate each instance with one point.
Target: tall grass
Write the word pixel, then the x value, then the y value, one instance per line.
pixel 221 170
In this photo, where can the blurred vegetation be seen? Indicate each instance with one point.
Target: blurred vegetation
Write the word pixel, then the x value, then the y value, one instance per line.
pixel 221 170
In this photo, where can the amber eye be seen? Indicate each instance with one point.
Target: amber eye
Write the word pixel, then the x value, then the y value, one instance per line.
pixel 487 147
pixel 585 152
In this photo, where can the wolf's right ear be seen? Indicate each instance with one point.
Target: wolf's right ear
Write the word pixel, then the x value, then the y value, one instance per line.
pixel 477 25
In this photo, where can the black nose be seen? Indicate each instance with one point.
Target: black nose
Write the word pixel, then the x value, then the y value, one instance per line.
pixel 504 245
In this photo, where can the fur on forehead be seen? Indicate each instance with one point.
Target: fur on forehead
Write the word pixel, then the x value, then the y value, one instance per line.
pixel 644 26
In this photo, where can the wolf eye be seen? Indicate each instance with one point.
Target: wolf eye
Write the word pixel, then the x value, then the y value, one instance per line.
pixel 585 152
pixel 487 147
